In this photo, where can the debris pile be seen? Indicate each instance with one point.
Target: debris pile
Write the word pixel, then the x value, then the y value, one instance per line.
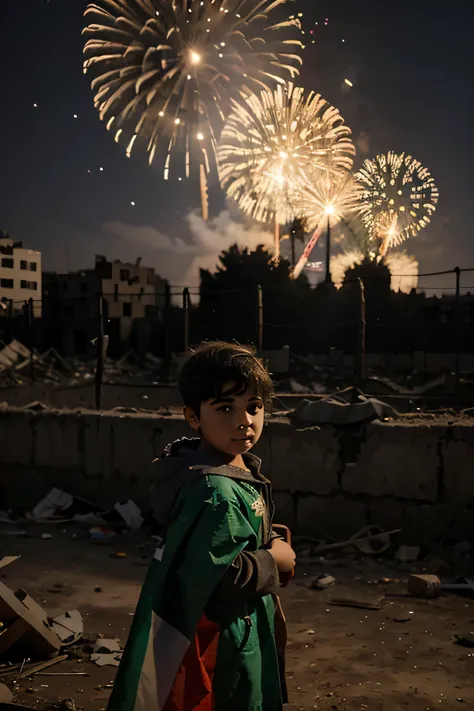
pixel 18 363
pixel 61 507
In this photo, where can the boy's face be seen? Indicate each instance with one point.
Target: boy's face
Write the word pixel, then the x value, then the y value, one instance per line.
pixel 232 423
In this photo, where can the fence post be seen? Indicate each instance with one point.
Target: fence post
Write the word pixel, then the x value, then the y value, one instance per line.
pixel 167 338
pixel 186 305
pixel 458 328
pixel 361 357
pixel 259 319
pixel 31 337
pixel 100 354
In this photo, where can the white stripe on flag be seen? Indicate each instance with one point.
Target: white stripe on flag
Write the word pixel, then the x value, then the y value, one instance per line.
pixel 165 652
pixel 159 553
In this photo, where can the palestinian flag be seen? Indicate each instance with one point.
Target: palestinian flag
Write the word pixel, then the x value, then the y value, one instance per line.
pixel 173 650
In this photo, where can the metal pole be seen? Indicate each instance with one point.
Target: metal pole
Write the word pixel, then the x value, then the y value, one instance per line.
pixel 100 354
pixel 362 333
pixel 186 318
pixel 293 252
pixel 277 239
pixel 259 318
pixel 31 338
pixel 458 327
pixel 328 252
pixel 167 339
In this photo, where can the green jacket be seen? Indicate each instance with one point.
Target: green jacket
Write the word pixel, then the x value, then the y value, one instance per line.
pixel 203 636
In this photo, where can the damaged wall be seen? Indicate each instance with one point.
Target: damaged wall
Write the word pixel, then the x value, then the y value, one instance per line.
pixel 418 477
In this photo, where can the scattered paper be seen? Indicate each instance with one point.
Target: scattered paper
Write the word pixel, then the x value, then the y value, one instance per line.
pixel 53 503
pixel 131 514
pixel 104 646
pixel 69 627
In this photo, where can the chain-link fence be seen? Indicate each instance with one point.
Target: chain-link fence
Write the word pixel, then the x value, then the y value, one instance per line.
pixel 364 323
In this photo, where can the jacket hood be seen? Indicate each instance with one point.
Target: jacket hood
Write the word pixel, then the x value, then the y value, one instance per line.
pixel 181 463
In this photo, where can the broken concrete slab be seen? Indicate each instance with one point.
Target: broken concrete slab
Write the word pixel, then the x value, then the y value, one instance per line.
pixel 31 624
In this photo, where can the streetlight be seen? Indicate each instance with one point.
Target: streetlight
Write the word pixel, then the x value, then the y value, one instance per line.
pixel 328 211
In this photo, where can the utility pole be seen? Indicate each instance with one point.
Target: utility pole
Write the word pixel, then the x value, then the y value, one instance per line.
pixel 328 252
pixel 361 359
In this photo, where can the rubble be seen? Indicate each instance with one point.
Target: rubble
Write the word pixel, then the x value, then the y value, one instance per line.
pixel 106 653
pixel 61 507
pixel 52 368
pixel 345 408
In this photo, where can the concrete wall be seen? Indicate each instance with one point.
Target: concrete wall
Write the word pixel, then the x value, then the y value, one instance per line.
pixel 327 483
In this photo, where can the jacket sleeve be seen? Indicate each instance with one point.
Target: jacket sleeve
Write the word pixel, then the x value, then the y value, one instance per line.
pixel 251 575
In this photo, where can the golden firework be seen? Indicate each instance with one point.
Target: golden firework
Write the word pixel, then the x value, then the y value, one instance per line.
pixel 272 142
pixel 168 68
pixel 398 198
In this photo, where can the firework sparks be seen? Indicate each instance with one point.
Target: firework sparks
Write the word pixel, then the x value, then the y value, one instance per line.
pixel 168 68
pixel 398 198
pixel 334 195
pixel 270 145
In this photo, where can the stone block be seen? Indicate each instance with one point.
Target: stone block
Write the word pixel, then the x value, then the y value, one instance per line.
pixel 132 447
pixel 16 437
pixel 388 513
pixel 303 460
pixel 457 453
pixel 398 460
pixel 57 441
pixel 424 524
pixel 284 508
pixel 98 446
pixel 330 517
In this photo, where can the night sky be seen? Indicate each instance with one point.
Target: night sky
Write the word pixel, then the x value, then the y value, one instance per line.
pixel 411 69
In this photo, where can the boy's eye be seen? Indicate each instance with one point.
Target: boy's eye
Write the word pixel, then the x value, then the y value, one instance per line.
pixel 254 408
pixel 225 408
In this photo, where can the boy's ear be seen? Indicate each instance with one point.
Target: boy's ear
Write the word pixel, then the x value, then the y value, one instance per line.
pixel 191 417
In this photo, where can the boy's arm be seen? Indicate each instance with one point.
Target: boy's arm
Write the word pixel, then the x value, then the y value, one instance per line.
pixel 250 576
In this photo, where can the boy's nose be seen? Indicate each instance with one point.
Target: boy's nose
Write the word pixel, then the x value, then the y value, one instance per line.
pixel 246 421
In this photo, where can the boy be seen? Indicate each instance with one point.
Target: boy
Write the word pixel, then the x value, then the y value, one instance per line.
pixel 203 635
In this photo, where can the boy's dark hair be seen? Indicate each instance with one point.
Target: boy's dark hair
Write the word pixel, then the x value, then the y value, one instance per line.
pixel 212 365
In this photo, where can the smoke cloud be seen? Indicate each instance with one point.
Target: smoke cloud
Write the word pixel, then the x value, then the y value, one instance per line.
pixel 180 260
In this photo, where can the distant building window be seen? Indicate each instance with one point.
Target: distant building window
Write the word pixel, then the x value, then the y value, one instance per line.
pixel 8 263
pixel 127 308
pixel 6 283
pixel 124 274
pixel 28 285
pixel 23 264
pixel 33 266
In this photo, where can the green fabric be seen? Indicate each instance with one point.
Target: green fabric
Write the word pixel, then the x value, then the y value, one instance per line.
pixel 213 521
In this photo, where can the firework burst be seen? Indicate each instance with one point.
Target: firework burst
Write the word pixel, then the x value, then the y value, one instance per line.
pixel 272 142
pixel 328 195
pixel 168 68
pixel 398 198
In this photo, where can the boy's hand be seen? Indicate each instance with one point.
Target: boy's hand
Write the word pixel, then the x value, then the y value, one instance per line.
pixel 283 555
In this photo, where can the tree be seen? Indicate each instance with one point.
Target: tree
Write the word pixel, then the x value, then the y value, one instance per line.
pixel 228 307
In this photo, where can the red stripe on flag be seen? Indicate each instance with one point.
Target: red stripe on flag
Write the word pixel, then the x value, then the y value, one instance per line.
pixel 192 689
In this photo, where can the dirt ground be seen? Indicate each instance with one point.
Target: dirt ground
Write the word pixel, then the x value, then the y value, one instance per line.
pixel 339 658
